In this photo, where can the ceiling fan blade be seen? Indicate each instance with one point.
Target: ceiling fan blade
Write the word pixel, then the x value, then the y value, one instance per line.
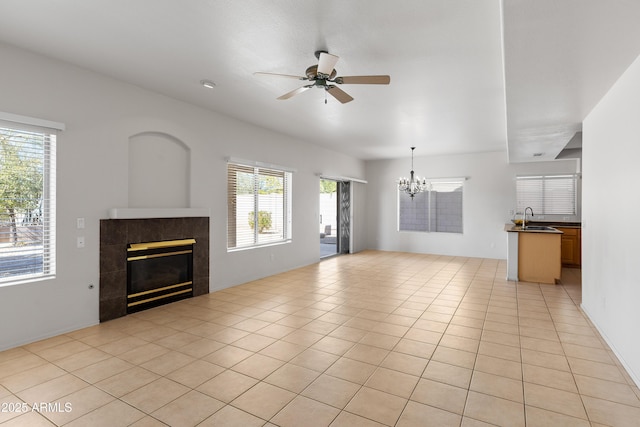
pixel 295 92
pixel 326 63
pixel 364 80
pixel 259 73
pixel 339 94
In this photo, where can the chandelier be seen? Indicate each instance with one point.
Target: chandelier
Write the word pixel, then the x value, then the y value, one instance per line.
pixel 413 185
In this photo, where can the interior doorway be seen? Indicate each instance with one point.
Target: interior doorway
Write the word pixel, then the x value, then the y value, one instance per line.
pixel 335 217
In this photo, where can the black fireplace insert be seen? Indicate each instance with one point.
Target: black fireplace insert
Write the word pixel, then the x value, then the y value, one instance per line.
pixel 159 273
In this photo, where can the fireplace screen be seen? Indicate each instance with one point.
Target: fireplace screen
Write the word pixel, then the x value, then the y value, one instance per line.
pixel 159 273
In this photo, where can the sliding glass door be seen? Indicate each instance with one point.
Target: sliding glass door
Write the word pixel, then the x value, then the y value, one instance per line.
pixel 335 217
pixel 328 217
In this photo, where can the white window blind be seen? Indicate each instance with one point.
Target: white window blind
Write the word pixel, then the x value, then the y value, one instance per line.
pixel 439 209
pixel 547 194
pixel 27 202
pixel 259 206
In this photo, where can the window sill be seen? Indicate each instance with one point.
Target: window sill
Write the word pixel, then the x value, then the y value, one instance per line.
pixel 25 280
pixel 265 245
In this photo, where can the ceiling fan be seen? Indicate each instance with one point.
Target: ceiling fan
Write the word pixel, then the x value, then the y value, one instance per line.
pixel 323 76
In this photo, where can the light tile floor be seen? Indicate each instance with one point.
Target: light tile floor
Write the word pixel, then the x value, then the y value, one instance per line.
pixel 371 339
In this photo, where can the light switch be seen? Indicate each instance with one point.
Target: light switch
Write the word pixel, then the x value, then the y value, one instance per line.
pixel 80 242
pixel 80 223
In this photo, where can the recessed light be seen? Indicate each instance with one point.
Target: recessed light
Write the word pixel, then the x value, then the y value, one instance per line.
pixel 208 84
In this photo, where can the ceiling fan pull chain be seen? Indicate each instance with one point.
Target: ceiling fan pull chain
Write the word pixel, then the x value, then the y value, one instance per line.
pixel 325 96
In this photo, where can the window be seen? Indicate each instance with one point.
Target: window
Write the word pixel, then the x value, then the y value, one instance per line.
pixel 27 201
pixel 259 205
pixel 547 194
pixel 439 209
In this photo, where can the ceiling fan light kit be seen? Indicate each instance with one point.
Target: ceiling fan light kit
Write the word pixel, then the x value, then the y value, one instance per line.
pixel 324 76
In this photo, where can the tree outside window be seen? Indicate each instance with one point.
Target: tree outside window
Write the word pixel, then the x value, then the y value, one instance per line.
pixel 21 181
pixel 27 179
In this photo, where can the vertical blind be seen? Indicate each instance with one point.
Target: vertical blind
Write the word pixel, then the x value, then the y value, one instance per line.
pixel 547 194
pixel 27 202
pixel 258 206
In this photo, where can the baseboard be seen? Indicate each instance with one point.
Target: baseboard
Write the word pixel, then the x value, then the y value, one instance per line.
pixel 19 343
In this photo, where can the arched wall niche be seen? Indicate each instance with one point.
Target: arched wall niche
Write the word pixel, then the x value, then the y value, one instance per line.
pixel 159 171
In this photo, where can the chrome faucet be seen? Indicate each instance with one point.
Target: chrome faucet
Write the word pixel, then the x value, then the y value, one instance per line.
pixel 524 217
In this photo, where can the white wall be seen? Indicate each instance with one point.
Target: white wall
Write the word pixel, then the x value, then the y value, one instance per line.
pixel 610 249
pixel 101 114
pixel 489 195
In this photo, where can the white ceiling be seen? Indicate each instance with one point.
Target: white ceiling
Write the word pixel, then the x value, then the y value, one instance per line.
pixel 456 87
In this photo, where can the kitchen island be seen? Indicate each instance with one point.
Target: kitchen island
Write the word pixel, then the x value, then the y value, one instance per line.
pixel 534 254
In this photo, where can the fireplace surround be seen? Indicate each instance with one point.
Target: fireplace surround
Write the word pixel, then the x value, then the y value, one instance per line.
pixel 116 236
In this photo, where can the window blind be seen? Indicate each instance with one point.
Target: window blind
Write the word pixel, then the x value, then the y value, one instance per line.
pixel 259 206
pixel 439 209
pixel 547 194
pixel 27 202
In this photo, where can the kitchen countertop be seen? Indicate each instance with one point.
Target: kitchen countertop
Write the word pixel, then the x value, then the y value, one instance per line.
pixel 518 229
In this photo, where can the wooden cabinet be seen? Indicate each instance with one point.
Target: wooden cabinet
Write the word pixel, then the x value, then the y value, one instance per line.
pixel 539 257
pixel 571 247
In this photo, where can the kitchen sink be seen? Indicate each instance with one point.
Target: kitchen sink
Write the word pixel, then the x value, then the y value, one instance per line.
pixel 539 228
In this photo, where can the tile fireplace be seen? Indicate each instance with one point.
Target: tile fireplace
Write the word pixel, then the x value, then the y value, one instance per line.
pixel 150 261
